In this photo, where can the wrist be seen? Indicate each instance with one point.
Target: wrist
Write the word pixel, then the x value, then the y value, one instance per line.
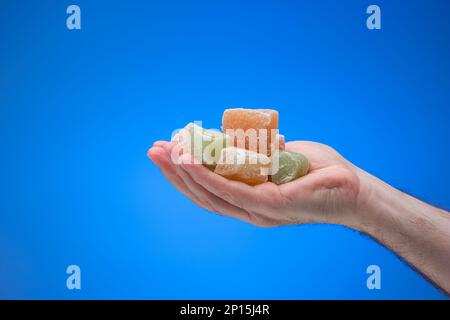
pixel 381 209
pixel 378 205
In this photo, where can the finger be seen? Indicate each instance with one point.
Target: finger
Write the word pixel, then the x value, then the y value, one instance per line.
pixel 160 157
pixel 194 191
pixel 306 186
pixel 260 220
pixel 160 143
pixel 237 193
pixel 173 151
pixel 219 205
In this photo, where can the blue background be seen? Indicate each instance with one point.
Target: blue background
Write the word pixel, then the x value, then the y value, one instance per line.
pixel 79 109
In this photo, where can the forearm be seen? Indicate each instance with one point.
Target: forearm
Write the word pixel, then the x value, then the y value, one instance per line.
pixel 416 231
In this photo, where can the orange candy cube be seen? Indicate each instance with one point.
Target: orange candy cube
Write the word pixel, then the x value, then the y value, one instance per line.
pixel 252 129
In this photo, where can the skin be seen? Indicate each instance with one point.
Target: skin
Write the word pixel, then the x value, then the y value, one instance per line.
pixel 334 191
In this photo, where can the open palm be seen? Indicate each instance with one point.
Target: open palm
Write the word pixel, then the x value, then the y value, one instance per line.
pixel 328 193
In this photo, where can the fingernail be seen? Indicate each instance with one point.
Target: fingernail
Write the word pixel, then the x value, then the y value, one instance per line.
pixel 149 153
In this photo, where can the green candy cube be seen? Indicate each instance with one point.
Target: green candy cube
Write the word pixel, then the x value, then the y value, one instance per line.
pixel 205 145
pixel 288 166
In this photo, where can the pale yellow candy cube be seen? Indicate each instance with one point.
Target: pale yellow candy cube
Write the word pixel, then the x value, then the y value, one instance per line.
pixel 243 165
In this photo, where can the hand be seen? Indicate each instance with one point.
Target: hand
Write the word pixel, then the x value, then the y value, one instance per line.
pixel 334 191
pixel 328 193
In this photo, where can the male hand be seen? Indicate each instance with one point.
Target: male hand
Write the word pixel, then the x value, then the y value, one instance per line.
pixel 334 191
pixel 328 193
